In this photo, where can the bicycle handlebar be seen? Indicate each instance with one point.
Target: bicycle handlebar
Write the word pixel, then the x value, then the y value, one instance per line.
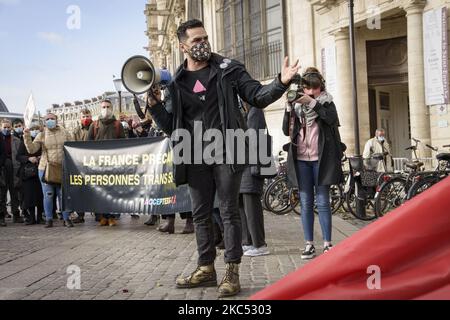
pixel 432 148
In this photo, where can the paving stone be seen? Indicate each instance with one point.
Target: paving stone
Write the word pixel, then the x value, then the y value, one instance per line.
pixel 138 263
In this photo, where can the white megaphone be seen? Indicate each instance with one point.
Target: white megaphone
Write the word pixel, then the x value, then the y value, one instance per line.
pixel 139 75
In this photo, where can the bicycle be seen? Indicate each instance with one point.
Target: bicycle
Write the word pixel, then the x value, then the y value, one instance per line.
pixel 393 192
pixel 361 187
pixel 275 196
pixel 441 172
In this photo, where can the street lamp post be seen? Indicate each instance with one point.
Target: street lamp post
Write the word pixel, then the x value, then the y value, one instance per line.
pixel 118 86
pixel 354 80
pixel 361 195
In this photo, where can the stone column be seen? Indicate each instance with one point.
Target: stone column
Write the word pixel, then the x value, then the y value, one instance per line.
pixel 419 114
pixel 344 103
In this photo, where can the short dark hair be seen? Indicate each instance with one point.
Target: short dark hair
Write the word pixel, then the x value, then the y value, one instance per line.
pixel 86 111
pixel 17 121
pixel 190 24
pixel 107 101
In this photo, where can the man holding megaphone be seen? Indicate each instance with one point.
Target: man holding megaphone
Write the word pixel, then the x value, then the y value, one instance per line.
pixel 205 90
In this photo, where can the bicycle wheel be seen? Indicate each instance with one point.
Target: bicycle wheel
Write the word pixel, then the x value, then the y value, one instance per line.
pixel 294 200
pixel 336 198
pixel 343 187
pixel 422 185
pixel 351 200
pixel 391 195
pixel 277 197
pixel 266 184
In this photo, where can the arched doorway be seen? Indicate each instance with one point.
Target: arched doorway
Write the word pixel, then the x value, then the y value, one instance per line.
pixel 387 69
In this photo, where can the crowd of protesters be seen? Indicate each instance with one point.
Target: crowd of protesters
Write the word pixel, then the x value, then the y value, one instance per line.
pixel 25 152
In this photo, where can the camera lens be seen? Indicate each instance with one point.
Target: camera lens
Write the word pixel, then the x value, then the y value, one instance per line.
pixel 292 95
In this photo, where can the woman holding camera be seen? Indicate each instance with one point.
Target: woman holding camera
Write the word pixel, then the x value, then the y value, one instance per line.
pixel 315 153
pixel 51 143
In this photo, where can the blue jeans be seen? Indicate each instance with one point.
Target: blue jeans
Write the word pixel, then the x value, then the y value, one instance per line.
pixel 308 176
pixel 49 192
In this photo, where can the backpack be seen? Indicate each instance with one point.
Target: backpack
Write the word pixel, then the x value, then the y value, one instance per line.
pixel 116 128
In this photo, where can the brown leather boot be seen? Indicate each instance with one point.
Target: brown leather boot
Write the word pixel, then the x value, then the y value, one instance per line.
pixel 230 285
pixel 168 226
pixel 189 227
pixel 203 276
pixel 112 222
pixel 104 222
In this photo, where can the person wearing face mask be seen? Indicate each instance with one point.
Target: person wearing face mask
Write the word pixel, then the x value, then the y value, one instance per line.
pixel 205 89
pixel 10 170
pixel 17 139
pixel 32 202
pixel 81 134
pixel 82 131
pixel 314 156
pixel 3 213
pixel 51 143
pixel 379 144
pixel 106 128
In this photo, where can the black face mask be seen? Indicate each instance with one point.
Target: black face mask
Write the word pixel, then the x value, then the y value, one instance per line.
pixel 200 52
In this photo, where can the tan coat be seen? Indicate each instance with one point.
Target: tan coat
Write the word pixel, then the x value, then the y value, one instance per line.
pixel 81 134
pixel 374 146
pixel 51 142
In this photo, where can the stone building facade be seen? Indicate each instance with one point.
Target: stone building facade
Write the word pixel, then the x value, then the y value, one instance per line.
pixel 69 113
pixel 391 57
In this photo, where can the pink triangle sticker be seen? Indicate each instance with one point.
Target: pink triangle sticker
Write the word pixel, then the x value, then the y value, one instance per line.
pixel 199 87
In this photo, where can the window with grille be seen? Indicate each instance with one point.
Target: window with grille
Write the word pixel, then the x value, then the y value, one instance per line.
pixel 252 34
pixel 195 9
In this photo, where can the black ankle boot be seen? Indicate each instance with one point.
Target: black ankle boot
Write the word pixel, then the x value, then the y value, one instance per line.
pixel 68 223
pixel 49 224
pixel 168 226
pixel 152 220
pixel 189 227
pixel 30 221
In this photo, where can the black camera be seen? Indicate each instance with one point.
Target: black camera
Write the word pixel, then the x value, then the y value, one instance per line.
pixel 293 95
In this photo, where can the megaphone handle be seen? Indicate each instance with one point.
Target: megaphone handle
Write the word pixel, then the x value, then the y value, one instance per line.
pixel 138 109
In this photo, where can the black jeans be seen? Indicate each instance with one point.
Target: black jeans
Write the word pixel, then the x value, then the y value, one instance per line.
pixel 9 181
pixel 204 181
pixel 252 217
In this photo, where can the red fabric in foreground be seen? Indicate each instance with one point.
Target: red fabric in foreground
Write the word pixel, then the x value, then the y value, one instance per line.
pixel 411 245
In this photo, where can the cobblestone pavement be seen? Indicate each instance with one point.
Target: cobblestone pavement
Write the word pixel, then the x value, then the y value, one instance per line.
pixel 133 261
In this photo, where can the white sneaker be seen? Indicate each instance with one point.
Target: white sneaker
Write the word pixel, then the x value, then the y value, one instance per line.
pixel 246 248
pixel 256 252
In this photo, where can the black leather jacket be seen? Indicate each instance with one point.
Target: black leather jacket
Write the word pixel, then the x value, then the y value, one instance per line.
pixel 232 81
